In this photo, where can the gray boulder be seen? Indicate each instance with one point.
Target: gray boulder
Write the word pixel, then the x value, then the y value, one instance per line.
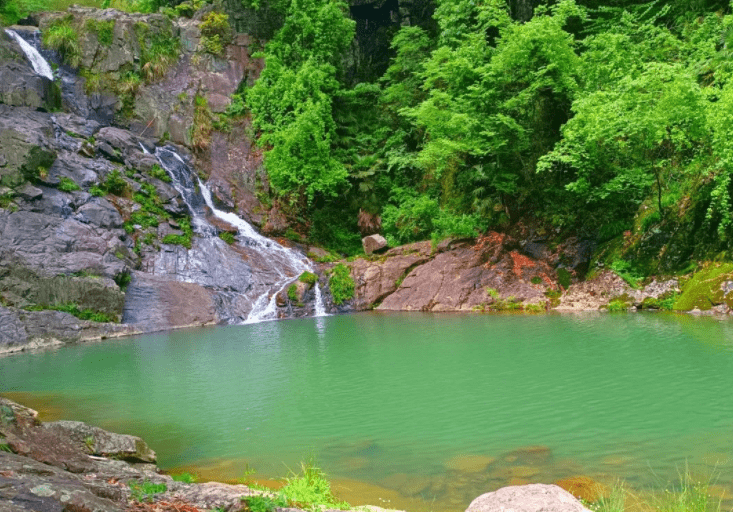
pixel 101 442
pixel 527 498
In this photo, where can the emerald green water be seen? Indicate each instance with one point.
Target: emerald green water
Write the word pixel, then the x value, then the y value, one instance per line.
pixel 416 410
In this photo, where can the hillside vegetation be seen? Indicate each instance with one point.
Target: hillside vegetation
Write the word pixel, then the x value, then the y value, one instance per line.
pixel 609 120
pixel 604 119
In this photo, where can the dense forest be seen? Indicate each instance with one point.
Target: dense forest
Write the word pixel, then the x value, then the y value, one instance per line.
pixel 609 120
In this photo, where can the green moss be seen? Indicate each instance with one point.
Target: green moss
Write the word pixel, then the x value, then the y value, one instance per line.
pixel 159 173
pixel 68 185
pixel 293 293
pixel 706 288
pixel 563 278
pixel 73 309
pixel 228 237
pixel 341 284
pixel 308 278
pixel 104 30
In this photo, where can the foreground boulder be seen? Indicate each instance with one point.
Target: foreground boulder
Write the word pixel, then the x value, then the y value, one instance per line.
pixel 527 498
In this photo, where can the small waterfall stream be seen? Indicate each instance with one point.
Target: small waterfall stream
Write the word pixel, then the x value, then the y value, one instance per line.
pixel 283 263
pixel 40 65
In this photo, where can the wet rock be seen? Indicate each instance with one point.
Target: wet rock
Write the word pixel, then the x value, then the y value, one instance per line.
pixel 76 125
pixel 101 213
pixel 29 192
pixel 374 243
pixel 55 245
pixel 25 144
pixel 156 303
pixel 79 169
pixel 20 86
pixel 101 442
pixel 527 498
pixel 12 329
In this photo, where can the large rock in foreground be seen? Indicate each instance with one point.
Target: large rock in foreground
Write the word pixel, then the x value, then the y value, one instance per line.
pixel 527 498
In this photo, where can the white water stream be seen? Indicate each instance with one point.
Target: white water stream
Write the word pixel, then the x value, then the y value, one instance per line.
pixel 286 263
pixel 40 65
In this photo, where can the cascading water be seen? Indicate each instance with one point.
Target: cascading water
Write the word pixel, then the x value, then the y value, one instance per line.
pixel 320 309
pixel 40 65
pixel 282 264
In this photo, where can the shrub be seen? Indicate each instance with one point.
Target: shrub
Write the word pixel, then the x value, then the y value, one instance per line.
pixel 115 184
pixel 186 478
pixel 63 38
pixel 185 239
pixel 311 489
pixel 146 490
pixel 215 33
pixel 293 293
pixel 68 185
pixel 308 277
pixel 159 173
pixel 341 284
pixel 104 30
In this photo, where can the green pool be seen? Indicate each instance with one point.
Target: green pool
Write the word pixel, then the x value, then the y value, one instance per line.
pixel 414 410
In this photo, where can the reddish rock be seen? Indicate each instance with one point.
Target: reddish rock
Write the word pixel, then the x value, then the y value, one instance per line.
pixel 374 243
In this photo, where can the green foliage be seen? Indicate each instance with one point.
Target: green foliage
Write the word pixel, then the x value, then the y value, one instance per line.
pixel 228 237
pixel 146 490
pixel 293 294
pixel 114 184
pixel 159 173
pixel 68 185
pixel 185 239
pixel 563 278
pixel 618 305
pixel 123 280
pixel 104 30
pixel 628 272
pixel 159 51
pixel 264 503
pixel 186 478
pixel 308 278
pixel 73 309
pixel 202 125
pixel 62 37
pixel 341 284
pixel 216 33
pixel 311 489
pixel 291 101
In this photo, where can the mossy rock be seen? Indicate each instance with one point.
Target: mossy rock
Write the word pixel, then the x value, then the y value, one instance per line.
pixel 709 287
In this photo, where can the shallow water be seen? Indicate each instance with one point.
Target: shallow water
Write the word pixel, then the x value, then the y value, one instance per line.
pixel 419 411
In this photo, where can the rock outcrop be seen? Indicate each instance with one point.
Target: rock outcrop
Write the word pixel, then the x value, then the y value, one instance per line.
pixel 71 466
pixel 527 498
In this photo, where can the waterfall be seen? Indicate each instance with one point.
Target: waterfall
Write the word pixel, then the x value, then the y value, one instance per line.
pixel 40 65
pixel 320 310
pixel 184 184
pixel 283 263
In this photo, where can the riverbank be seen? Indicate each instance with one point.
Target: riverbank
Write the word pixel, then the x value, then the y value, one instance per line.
pixel 72 466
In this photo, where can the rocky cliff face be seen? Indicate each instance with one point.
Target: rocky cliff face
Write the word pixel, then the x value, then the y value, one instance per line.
pixel 92 231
